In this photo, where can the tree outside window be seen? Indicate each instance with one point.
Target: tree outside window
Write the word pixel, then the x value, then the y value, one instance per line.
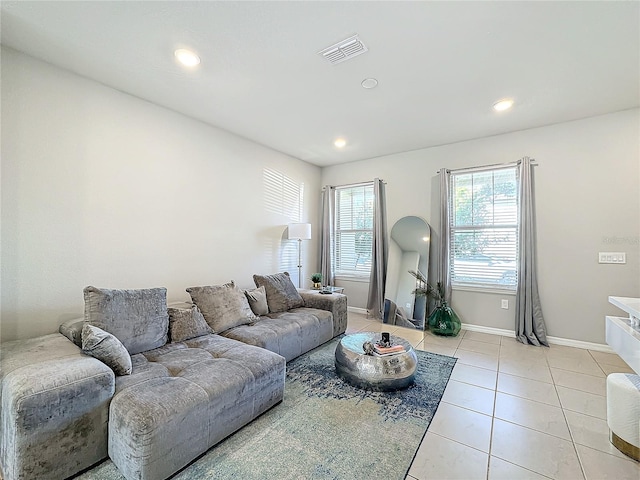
pixel 484 216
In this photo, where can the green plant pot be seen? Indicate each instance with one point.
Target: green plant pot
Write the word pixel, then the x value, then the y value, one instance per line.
pixel 444 321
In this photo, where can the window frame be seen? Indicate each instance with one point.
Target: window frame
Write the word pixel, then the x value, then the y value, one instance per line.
pixel 510 273
pixel 346 274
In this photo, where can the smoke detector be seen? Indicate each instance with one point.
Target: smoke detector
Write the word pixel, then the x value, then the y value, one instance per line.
pixel 344 50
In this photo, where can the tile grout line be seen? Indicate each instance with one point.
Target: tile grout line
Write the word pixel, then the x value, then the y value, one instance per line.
pixel 597 363
pixel 493 414
pixel 564 415
pixel 493 421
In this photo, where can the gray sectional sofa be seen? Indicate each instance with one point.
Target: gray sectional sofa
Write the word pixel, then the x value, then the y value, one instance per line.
pixel 189 376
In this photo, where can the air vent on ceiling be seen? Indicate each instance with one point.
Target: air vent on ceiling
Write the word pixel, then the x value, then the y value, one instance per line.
pixel 344 50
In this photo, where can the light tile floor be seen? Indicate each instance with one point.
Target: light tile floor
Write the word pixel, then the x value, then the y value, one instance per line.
pixel 512 411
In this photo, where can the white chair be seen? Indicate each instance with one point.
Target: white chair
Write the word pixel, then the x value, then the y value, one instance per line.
pixel 623 412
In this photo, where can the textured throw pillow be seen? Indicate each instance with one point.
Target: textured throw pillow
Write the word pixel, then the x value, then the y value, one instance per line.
pixel 223 306
pixel 187 323
pixel 281 293
pixel 258 300
pixel 106 348
pixel 138 318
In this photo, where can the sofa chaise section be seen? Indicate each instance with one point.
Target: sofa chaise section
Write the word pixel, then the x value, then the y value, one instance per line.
pixel 199 392
pixel 54 405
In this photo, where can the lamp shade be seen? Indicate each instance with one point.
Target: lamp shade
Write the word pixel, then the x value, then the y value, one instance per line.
pixel 300 231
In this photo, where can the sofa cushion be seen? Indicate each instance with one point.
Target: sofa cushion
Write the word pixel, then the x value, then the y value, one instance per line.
pixel 223 306
pixel 258 300
pixel 282 294
pixel 289 334
pixel 106 348
pixel 185 324
pixel 138 318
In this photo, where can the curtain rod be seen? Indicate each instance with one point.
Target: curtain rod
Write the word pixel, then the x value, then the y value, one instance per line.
pixel 484 167
pixel 354 184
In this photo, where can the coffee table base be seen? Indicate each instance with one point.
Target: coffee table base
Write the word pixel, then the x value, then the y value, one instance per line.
pixel 393 372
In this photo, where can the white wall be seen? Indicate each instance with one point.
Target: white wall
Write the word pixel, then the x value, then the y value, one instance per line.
pixel 102 188
pixel 587 188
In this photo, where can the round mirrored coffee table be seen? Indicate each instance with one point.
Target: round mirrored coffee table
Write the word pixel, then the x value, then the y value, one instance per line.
pixel 392 372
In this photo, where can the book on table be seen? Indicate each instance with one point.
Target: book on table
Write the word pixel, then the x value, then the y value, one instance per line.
pixel 388 350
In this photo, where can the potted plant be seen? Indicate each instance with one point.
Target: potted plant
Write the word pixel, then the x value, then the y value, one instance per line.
pixel 316 278
pixel 443 320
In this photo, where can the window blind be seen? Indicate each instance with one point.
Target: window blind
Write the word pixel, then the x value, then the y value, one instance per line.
pixel 354 230
pixel 484 228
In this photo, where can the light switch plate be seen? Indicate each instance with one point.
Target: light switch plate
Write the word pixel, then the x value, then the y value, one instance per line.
pixel 612 257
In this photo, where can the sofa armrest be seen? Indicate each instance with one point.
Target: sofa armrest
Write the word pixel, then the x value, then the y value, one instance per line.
pixel 72 329
pixel 336 303
pixel 54 406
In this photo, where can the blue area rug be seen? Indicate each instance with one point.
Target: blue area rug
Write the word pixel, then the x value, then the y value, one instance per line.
pixel 325 428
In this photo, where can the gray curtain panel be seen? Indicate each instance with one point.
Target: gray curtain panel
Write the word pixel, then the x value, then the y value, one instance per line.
pixel 378 278
pixel 444 273
pixel 530 327
pixel 326 235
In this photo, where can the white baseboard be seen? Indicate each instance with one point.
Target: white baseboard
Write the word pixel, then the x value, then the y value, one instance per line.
pixel 567 342
pixel 357 310
pixel 489 330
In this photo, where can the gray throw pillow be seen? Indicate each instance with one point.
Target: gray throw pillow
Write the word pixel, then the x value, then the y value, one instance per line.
pixel 258 300
pixel 106 348
pixel 223 306
pixel 138 318
pixel 282 294
pixel 187 323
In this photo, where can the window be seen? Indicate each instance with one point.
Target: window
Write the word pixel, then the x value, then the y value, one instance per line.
pixel 484 228
pixel 354 230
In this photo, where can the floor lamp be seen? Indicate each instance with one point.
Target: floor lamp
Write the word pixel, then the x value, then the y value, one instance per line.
pixel 300 231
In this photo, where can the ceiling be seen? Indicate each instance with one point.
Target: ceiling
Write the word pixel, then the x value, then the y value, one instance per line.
pixel 440 65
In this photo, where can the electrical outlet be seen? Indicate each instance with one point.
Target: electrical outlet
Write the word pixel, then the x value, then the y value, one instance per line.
pixel 408 305
pixel 505 304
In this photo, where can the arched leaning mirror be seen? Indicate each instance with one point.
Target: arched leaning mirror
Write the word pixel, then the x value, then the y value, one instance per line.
pixel 408 250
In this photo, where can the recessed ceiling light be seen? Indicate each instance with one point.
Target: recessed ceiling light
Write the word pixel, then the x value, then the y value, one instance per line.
pixel 187 57
pixel 502 105
pixel 369 83
pixel 340 142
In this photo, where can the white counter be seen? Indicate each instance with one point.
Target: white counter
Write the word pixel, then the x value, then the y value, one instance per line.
pixel 628 304
pixel 622 335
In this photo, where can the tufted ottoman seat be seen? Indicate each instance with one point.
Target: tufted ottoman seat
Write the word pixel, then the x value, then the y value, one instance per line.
pixel 623 412
pixel 192 394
